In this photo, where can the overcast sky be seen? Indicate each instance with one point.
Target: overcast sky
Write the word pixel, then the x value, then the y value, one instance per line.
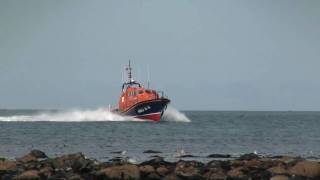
pixel 206 55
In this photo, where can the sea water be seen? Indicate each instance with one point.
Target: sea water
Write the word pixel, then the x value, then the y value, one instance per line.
pixel 99 133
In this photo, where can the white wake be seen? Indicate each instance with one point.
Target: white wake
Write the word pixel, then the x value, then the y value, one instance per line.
pixel 101 114
pixel 172 114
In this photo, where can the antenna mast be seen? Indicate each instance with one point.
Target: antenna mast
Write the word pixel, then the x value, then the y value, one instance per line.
pixel 129 72
pixel 148 71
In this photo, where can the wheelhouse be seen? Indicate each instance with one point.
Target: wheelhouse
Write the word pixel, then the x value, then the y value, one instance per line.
pixel 133 93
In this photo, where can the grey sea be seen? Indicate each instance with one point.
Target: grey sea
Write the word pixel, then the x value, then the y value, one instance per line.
pixel 100 134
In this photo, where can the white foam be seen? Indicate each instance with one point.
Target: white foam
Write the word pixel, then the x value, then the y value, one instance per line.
pixel 16 118
pixel 101 114
pixel 172 114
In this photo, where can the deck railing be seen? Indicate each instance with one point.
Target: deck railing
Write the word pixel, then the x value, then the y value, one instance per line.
pixel 161 94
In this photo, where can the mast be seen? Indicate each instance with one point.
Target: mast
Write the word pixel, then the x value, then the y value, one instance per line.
pixel 148 76
pixel 129 71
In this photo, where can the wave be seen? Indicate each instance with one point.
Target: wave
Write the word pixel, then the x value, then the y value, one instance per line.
pixel 175 115
pixel 97 115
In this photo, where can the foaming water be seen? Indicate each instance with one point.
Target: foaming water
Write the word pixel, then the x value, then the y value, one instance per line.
pixel 71 116
pixel 172 114
pixel 100 114
pixel 83 115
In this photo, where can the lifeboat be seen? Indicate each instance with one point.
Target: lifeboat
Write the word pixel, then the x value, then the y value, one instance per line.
pixel 139 102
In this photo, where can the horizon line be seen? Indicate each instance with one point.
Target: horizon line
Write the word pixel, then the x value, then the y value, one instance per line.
pixel 184 110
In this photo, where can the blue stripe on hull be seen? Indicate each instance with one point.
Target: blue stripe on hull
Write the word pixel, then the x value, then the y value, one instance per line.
pixel 147 107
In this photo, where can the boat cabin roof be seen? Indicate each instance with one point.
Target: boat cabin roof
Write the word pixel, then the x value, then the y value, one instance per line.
pixel 130 84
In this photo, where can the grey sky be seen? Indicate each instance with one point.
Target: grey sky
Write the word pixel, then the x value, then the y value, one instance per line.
pixel 206 55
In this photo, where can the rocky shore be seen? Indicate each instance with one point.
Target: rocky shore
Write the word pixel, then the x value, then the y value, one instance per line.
pixel 36 165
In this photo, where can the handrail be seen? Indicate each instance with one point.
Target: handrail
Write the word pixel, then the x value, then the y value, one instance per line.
pixel 162 94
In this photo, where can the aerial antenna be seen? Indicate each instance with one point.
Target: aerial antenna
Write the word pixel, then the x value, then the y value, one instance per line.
pixel 122 79
pixel 129 72
pixel 138 73
pixel 148 71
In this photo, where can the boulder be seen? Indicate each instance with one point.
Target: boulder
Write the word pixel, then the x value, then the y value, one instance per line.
pixel 249 157
pixel 236 172
pixel 225 165
pixel 219 156
pixel 148 172
pixel 289 160
pixel 275 157
pixel 154 156
pixel 75 177
pixel 236 163
pixel 215 173
pixel 27 158
pixel 215 176
pixel 172 177
pixel 33 156
pixel 8 170
pixel 117 152
pixel 253 163
pixel 29 175
pixel 59 174
pixel 116 159
pixel 257 173
pixel 187 156
pixel 46 171
pixel 82 165
pixel 156 162
pixel 38 154
pixel 127 171
pixel 152 152
pixel 280 169
pixel 188 169
pixel 7 165
pixel 146 169
pixel 279 177
pixel 76 161
pixel 153 176
pixel 306 168
pixel 162 171
pixel 267 163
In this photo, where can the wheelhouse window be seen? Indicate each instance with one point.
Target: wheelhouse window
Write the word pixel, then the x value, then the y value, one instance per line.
pixel 132 93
